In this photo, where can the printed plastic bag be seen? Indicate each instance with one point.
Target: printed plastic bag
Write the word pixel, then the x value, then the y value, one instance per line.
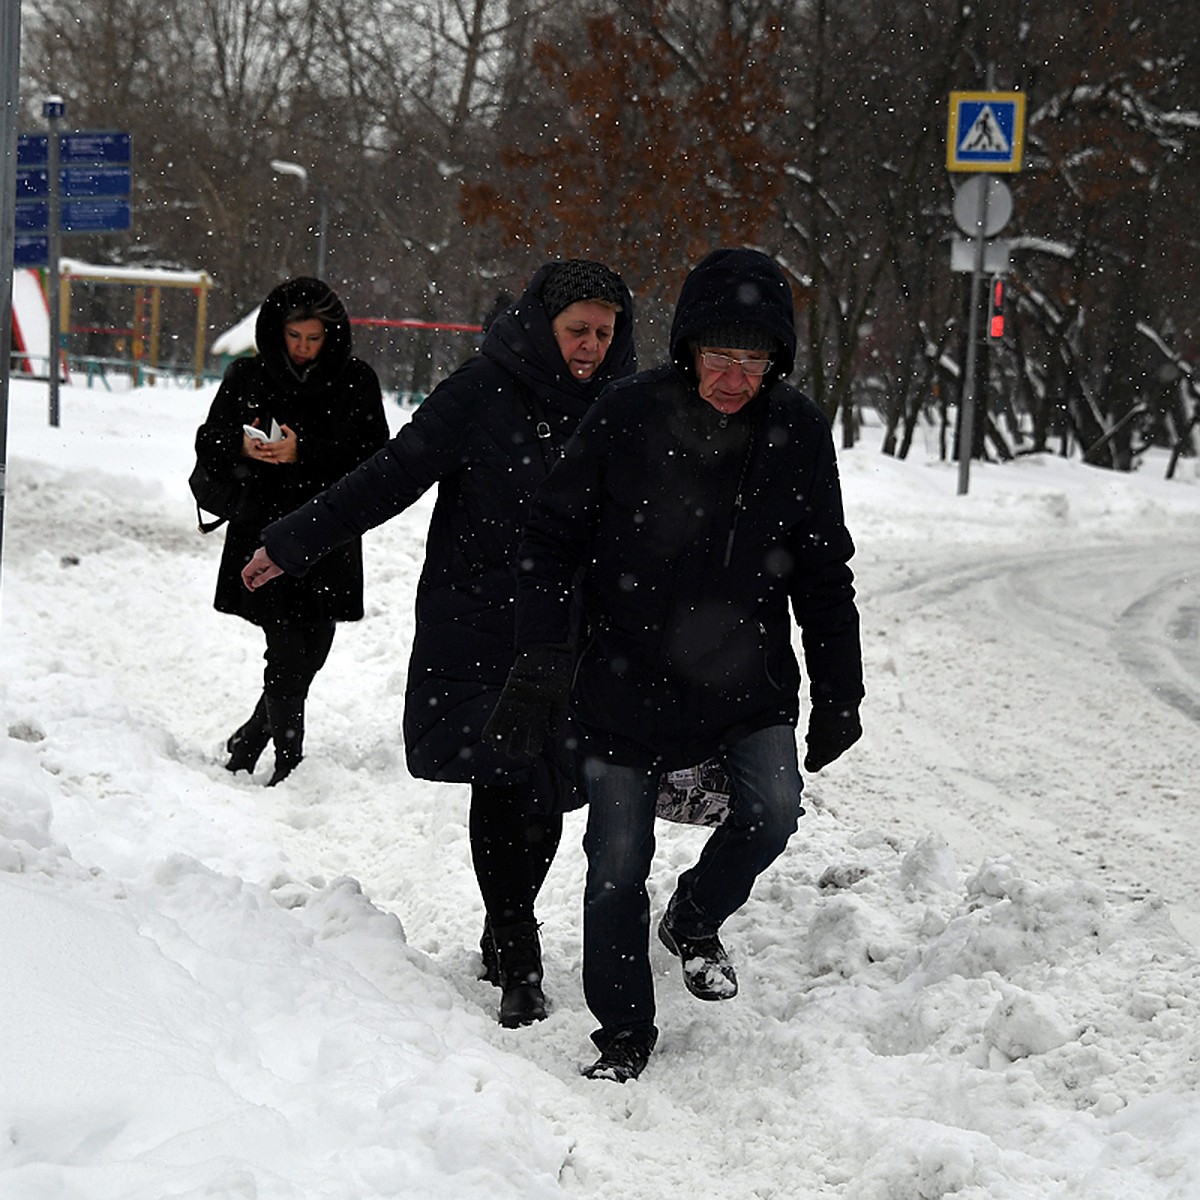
pixel 696 795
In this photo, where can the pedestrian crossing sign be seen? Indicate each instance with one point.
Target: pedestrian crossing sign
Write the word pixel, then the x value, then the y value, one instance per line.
pixel 987 131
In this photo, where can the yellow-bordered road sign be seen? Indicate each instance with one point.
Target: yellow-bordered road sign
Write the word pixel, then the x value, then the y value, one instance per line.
pixel 987 131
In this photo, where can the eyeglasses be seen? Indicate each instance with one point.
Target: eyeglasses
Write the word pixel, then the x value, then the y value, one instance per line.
pixel 726 362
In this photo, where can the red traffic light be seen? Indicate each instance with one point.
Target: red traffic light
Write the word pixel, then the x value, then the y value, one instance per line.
pixel 995 324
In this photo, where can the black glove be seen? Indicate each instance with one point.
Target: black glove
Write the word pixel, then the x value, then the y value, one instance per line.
pixel 832 729
pixel 532 700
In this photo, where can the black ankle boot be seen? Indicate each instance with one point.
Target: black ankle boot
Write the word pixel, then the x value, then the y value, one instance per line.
pixel 520 960
pixel 489 955
pixel 287 731
pixel 245 745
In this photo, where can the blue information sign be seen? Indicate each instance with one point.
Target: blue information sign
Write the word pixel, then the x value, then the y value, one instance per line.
pixel 94 180
pixel 75 216
pixel 32 148
pixel 31 250
pixel 32 216
pixel 95 216
pixel 94 147
pixel 34 182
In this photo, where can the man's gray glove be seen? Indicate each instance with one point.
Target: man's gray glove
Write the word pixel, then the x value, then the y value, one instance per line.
pixel 832 729
pixel 534 697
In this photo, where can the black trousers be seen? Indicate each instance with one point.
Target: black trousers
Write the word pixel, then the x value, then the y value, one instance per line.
pixel 296 651
pixel 511 850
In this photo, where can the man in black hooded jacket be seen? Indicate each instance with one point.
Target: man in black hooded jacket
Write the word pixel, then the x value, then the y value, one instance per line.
pixel 696 502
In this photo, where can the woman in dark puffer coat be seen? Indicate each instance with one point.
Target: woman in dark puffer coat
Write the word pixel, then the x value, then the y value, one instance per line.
pixel 326 408
pixel 486 436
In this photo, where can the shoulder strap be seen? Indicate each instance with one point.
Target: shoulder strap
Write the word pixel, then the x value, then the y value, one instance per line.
pixel 550 452
pixel 208 526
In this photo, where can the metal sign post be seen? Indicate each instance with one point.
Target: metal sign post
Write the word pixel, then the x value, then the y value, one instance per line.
pixel 982 207
pixel 10 63
pixel 986 134
pixel 53 110
pixel 966 425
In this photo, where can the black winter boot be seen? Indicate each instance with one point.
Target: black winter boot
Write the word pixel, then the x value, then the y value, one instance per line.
pixel 520 958
pixel 287 730
pixel 623 1055
pixel 489 954
pixel 246 744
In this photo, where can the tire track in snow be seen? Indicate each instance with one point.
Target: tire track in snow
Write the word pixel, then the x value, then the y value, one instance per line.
pixel 1158 639
pixel 1045 702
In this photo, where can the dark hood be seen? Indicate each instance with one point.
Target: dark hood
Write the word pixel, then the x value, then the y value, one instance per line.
pixel 736 287
pixel 522 342
pixel 319 300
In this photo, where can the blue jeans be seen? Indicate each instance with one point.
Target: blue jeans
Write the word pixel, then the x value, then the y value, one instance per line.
pixel 619 843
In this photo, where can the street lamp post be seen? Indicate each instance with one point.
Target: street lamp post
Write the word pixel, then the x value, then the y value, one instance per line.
pixel 291 168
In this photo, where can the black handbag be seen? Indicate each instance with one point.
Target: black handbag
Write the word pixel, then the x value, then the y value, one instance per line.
pixel 220 495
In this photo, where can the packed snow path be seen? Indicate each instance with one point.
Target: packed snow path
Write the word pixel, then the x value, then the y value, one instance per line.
pixel 960 980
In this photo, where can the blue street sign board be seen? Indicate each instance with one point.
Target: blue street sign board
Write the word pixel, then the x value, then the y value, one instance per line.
pixel 95 216
pixel 96 181
pixel 34 182
pixel 32 216
pixel 95 148
pixel 33 149
pixel 986 131
pixel 75 216
pixel 31 251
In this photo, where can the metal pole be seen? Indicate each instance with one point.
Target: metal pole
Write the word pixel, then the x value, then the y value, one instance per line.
pixel 53 110
pixel 10 71
pixel 966 426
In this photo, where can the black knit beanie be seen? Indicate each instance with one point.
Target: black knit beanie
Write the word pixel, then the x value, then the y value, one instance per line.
pixel 736 337
pixel 580 279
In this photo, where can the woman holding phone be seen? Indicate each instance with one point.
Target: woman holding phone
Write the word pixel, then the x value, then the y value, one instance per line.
pixel 288 423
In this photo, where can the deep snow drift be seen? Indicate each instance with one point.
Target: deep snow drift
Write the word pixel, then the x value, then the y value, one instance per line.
pixel 966 977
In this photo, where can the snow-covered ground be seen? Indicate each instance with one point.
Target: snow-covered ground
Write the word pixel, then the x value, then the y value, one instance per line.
pixel 967 977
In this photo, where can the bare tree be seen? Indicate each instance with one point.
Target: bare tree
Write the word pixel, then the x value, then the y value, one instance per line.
pixel 453 144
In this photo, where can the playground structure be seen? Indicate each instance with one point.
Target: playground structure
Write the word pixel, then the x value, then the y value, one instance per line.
pixel 31 321
pixel 141 338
